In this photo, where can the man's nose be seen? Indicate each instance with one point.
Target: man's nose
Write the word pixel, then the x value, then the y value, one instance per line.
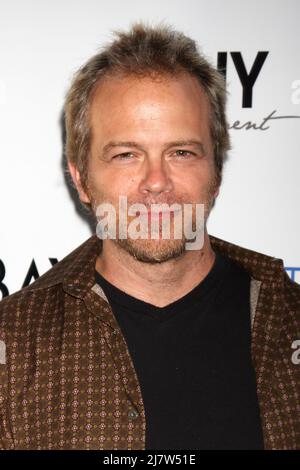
pixel 156 178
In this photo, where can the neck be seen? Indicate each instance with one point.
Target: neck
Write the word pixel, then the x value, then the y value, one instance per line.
pixel 158 284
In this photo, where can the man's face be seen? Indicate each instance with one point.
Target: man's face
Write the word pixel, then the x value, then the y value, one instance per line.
pixel 151 143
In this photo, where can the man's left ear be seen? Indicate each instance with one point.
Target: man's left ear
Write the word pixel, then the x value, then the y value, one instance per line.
pixel 77 181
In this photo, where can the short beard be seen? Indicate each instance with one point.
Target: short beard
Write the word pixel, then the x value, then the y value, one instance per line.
pixel 143 250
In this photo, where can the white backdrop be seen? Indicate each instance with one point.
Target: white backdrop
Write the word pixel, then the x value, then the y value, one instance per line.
pixel 42 43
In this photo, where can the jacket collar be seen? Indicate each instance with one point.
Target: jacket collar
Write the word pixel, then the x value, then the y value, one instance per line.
pixel 76 270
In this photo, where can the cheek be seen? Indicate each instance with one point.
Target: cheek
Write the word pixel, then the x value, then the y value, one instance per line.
pixel 111 186
pixel 199 180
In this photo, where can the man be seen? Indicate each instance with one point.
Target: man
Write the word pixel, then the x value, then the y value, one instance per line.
pixel 141 343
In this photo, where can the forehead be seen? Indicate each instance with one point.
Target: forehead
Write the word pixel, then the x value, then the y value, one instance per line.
pixel 131 103
pixel 118 89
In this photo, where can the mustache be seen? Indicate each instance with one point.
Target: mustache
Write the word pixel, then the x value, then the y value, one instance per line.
pixel 148 202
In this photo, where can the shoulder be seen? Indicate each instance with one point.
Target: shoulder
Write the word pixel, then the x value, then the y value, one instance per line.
pixel 22 309
pixel 29 303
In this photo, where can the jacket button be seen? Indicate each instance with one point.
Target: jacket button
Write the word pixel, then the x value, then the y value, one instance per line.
pixel 132 414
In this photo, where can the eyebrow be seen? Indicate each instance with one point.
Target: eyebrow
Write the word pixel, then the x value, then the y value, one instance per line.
pixel 177 143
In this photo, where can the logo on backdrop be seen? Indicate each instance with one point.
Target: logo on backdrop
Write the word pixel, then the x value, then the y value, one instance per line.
pixel 248 80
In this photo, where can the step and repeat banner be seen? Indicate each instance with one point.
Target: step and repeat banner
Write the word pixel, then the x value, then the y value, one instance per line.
pixel 42 43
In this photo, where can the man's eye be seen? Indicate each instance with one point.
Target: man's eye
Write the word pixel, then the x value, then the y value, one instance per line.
pixel 184 153
pixel 122 156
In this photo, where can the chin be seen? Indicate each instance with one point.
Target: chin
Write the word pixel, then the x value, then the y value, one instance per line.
pixel 153 251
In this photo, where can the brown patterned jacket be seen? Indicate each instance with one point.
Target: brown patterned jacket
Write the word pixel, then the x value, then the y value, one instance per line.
pixel 67 380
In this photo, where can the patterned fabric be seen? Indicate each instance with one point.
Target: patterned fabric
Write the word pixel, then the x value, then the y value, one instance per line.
pixel 67 380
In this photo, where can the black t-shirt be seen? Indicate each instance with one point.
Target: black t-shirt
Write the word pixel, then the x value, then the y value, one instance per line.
pixel 193 361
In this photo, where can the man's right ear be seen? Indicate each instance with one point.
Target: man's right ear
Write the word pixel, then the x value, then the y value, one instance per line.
pixel 77 181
